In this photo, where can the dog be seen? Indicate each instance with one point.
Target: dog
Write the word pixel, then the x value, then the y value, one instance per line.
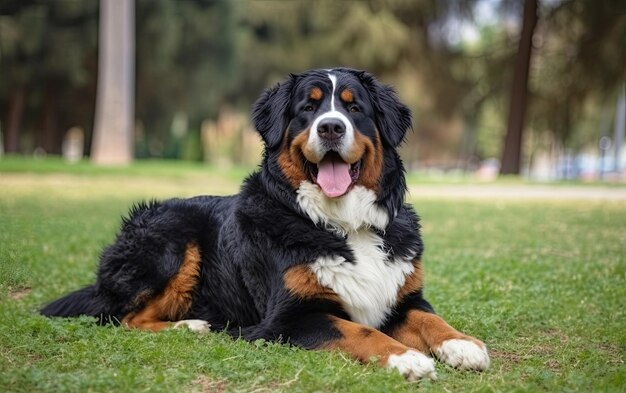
pixel 318 249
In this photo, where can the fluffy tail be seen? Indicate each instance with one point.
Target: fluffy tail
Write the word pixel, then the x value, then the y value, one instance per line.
pixel 85 301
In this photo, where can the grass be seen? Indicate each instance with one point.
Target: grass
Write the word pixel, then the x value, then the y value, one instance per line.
pixel 543 283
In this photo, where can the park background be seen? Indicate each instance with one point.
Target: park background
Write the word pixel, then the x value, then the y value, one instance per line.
pixel 547 76
pixel 533 264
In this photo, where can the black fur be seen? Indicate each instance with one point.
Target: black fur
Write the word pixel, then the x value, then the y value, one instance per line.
pixel 270 110
pixel 249 240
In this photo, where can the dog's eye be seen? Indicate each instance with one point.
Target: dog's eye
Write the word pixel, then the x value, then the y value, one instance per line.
pixel 308 108
pixel 354 108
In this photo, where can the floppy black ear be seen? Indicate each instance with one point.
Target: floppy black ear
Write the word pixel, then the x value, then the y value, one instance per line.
pixel 392 116
pixel 269 112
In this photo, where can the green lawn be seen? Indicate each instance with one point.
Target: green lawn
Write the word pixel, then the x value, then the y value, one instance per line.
pixel 542 283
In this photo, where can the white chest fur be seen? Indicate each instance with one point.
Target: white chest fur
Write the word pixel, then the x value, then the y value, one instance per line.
pixel 350 213
pixel 368 288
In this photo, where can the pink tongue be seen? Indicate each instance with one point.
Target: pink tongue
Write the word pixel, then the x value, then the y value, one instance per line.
pixel 333 176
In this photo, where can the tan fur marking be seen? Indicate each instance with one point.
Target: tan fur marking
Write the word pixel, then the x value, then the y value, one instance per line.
pixel 174 301
pixel 425 331
pixel 347 95
pixel 302 282
pixel 316 94
pixel 290 158
pixel 372 156
pixel 364 343
pixel 410 336
pixel 412 282
pixel 145 320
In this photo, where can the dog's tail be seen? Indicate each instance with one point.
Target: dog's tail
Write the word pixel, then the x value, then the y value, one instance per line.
pixel 85 301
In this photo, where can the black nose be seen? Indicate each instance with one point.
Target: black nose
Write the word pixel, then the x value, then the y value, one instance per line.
pixel 331 129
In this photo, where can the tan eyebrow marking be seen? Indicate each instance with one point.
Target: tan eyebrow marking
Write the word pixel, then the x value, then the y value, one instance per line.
pixel 316 93
pixel 347 95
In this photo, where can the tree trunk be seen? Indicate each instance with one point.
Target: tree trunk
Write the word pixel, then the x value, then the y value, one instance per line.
pixel 620 129
pixel 113 129
pixel 512 152
pixel 49 138
pixel 14 120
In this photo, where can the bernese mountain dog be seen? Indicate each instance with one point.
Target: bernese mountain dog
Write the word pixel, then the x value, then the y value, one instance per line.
pixel 318 249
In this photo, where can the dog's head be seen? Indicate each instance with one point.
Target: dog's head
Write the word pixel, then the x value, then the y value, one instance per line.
pixel 337 129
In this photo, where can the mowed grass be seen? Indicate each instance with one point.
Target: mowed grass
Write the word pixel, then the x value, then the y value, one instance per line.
pixel 542 283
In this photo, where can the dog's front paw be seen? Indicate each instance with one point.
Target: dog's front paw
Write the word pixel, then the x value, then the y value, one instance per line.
pixel 413 365
pixel 195 325
pixel 463 354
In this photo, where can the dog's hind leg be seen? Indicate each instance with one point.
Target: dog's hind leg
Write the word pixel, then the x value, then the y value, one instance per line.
pixel 167 308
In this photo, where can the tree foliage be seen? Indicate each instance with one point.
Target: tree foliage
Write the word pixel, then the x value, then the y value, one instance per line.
pixel 185 64
pixel 451 60
pixel 48 65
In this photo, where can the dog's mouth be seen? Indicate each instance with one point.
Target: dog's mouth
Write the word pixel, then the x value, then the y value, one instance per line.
pixel 333 175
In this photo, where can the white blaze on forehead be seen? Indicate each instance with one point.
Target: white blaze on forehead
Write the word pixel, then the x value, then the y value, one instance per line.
pixel 348 139
pixel 333 80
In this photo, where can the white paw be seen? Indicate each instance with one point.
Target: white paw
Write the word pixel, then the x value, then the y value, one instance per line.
pixel 413 365
pixel 195 325
pixel 463 354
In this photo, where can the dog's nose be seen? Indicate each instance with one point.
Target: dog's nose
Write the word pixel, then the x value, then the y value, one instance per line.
pixel 331 129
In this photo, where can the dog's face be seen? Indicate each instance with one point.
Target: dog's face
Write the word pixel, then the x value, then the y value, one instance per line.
pixel 331 128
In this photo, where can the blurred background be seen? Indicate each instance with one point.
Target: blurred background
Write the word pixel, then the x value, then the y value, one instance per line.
pixel 528 87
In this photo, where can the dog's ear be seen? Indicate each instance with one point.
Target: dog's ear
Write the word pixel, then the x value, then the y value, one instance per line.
pixel 393 118
pixel 269 112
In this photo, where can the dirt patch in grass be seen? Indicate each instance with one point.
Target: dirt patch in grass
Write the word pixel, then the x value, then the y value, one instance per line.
pixel 511 360
pixel 554 365
pixel 557 333
pixel 18 294
pixel 508 360
pixel 614 353
pixel 511 357
pixel 206 384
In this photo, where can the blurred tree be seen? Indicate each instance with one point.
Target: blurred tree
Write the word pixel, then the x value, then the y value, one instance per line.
pixel 114 123
pixel 580 63
pixel 388 38
pixel 47 61
pixel 451 60
pixel 456 74
pixel 512 151
pixel 280 37
pixel 186 67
